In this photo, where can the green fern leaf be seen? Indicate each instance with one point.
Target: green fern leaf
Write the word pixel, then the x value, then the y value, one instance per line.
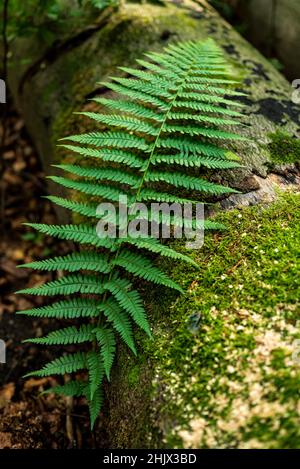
pixel 95 404
pixel 180 116
pixel 119 320
pixel 210 108
pixel 65 364
pixel 116 156
pixel 153 245
pixel 106 339
pixel 71 388
pixel 66 286
pixel 206 132
pixel 68 309
pixel 130 107
pixel 188 182
pixel 159 71
pixel 87 210
pixel 113 175
pixel 174 119
pixel 96 372
pixel 128 123
pixel 98 190
pixel 82 234
pixel 141 266
pixel 148 194
pixel 85 260
pixel 144 86
pixel 131 93
pixel 130 300
pixel 110 139
pixel 69 335
pixel 194 161
pixel 188 145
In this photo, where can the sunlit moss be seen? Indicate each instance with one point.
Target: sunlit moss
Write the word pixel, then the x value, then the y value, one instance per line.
pixel 231 381
pixel 284 148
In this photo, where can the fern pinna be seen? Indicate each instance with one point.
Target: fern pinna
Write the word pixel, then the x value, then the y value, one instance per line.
pixel 163 129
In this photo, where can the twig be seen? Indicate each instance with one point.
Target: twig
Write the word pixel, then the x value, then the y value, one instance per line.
pixel 235 266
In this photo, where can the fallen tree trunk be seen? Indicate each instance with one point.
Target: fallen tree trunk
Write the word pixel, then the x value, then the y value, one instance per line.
pixel 174 393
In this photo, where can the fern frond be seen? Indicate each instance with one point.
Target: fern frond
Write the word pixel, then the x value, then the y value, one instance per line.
pixel 116 156
pixel 95 370
pixel 87 210
pixel 66 286
pixel 210 108
pixel 68 309
pixel 168 219
pixel 143 97
pixel 113 175
pixel 202 118
pixel 142 267
pixel 98 190
pixel 172 120
pixel 119 319
pixel 83 234
pixel 110 139
pixel 107 342
pixel 188 182
pixel 71 388
pixel 207 98
pixel 168 62
pixel 205 132
pixel 194 161
pixel 144 86
pixel 130 107
pixel 186 144
pixel 130 300
pixel 195 83
pixel 149 194
pixel 159 71
pixel 65 364
pixel 150 77
pixel 128 123
pixel 153 245
pixel 84 260
pixel 66 336
pixel 95 404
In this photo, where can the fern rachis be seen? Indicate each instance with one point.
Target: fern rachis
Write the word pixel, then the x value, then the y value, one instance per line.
pixel 167 125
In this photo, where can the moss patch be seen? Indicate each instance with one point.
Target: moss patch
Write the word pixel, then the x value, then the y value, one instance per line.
pixel 224 359
pixel 284 148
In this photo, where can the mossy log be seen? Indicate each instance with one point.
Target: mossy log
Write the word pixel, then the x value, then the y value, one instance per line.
pixel 213 358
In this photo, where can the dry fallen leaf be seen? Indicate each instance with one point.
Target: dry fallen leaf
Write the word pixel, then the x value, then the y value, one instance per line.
pixel 35 383
pixel 6 394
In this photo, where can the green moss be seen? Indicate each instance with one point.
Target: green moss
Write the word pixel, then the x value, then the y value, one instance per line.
pixel 133 376
pixel 223 355
pixel 284 148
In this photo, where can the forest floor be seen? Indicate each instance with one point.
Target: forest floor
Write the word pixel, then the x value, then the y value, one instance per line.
pixel 27 419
